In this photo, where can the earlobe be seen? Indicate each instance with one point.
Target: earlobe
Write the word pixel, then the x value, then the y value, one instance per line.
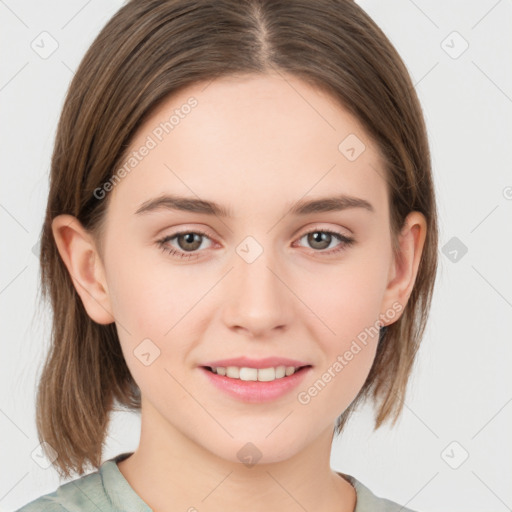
pixel 405 267
pixel 78 252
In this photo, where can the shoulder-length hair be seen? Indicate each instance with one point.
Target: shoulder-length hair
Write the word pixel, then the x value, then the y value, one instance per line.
pixel 149 50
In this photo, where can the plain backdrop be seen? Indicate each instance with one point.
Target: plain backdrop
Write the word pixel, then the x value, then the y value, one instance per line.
pixel 450 451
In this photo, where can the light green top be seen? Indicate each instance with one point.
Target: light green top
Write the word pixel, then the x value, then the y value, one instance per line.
pixel 106 490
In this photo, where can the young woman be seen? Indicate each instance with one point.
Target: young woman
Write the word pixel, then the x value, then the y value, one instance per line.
pixel 240 242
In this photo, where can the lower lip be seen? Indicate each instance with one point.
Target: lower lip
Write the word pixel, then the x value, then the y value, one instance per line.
pixel 256 391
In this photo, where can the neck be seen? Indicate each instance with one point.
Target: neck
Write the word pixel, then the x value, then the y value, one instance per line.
pixel 170 472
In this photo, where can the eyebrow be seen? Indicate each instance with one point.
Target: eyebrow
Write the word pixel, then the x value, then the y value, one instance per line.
pixel 301 207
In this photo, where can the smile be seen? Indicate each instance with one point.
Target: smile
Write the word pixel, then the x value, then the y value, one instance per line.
pixel 255 374
pixel 255 385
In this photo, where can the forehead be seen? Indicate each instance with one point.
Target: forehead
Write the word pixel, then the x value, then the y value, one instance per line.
pixel 249 143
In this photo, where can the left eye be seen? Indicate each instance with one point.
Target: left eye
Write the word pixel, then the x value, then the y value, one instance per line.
pixel 321 239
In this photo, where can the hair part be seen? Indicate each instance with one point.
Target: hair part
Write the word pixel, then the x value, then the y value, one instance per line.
pixel 151 49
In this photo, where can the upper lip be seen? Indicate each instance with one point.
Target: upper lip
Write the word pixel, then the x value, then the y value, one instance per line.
pixel 246 362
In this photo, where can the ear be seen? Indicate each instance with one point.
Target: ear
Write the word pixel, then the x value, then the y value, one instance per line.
pixel 404 268
pixel 78 251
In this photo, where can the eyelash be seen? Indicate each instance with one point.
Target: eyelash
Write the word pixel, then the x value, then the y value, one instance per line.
pixel 162 243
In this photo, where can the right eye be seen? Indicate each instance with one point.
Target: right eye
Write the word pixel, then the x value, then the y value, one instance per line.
pixel 190 242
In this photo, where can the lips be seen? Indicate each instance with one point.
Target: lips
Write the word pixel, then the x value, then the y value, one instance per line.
pixel 247 362
pixel 260 390
pixel 255 391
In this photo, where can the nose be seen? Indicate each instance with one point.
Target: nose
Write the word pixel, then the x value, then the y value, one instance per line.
pixel 258 300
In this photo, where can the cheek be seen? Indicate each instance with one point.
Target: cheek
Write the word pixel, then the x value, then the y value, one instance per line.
pixel 349 351
pixel 158 311
pixel 148 295
pixel 347 301
pixel 152 306
pixel 347 298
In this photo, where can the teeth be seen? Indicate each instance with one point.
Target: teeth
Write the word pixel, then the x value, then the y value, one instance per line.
pixel 255 374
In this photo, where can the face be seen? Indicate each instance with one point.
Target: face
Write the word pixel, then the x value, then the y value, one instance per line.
pixel 264 276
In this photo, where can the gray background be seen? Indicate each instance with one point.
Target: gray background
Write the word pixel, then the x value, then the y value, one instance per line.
pixel 459 401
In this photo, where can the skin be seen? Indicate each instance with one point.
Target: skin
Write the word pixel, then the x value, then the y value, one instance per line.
pixel 255 144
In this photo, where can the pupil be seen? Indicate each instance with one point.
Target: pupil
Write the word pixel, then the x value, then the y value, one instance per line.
pixel 191 239
pixel 320 238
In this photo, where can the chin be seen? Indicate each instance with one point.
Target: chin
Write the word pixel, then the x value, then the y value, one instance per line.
pixel 259 447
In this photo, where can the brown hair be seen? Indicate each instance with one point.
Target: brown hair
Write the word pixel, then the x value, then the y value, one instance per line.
pixel 153 48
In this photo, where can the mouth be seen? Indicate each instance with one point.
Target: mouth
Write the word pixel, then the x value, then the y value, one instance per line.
pixel 255 385
pixel 250 374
